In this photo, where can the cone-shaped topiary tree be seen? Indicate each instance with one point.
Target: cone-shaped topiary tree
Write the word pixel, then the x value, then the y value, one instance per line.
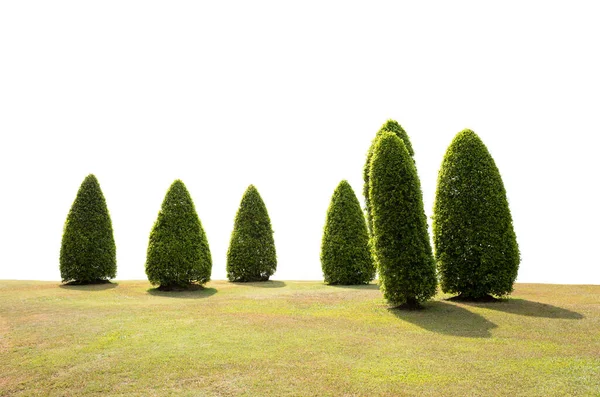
pixel 405 262
pixel 345 254
pixel 251 255
pixel 178 252
pixel 388 126
pixel 475 244
pixel 88 253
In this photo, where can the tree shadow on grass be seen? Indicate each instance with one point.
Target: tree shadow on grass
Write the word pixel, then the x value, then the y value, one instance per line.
pixel 89 287
pixel 262 284
pixel 191 293
pixel 357 286
pixel 524 307
pixel 446 318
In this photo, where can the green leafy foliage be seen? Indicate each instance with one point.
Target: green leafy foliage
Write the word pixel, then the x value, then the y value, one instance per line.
pixel 345 254
pixel 405 262
pixel 178 252
pixel 475 244
pixel 251 255
pixel 389 126
pixel 88 253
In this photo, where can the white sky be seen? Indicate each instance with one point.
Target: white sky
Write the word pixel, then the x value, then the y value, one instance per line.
pixel 288 97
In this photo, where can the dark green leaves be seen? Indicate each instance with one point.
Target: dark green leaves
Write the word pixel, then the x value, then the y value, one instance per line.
pixel 251 255
pixel 475 245
pixel 345 256
pixel 178 251
pixel 395 128
pixel 88 251
pixel 400 239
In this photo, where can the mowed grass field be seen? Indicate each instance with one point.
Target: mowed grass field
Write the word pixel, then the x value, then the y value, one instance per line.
pixel 293 339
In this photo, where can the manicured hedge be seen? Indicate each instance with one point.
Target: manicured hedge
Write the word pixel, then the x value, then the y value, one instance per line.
pixel 475 244
pixel 345 254
pixel 178 252
pixel 88 253
pixel 388 126
pixel 251 255
pixel 407 273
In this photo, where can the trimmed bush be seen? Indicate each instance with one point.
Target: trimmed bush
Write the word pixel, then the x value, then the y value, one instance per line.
pixel 388 126
pixel 88 253
pixel 178 252
pixel 475 244
pixel 405 262
pixel 345 254
pixel 251 255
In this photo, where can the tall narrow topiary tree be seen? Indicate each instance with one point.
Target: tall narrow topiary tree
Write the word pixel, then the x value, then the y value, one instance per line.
pixel 178 252
pixel 400 239
pixel 395 128
pixel 345 255
pixel 88 253
pixel 251 255
pixel 475 244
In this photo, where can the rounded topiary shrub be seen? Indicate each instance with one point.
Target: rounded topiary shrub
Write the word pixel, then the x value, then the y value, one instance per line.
pixel 395 128
pixel 475 244
pixel 88 253
pixel 405 262
pixel 345 255
pixel 178 252
pixel 251 255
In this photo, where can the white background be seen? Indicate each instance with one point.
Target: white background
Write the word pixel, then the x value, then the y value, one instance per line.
pixel 287 96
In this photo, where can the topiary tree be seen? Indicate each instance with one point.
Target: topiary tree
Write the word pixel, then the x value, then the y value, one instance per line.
pixel 405 262
pixel 388 126
pixel 345 254
pixel 88 253
pixel 178 252
pixel 475 244
pixel 251 255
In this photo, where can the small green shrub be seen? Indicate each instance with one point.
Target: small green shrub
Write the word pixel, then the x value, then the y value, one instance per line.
pixel 251 255
pixel 475 244
pixel 178 252
pixel 405 262
pixel 88 253
pixel 388 126
pixel 345 255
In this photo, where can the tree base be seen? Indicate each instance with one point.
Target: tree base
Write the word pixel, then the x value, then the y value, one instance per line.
pixel 251 279
pixel 410 304
pixel 89 282
pixel 180 288
pixel 480 299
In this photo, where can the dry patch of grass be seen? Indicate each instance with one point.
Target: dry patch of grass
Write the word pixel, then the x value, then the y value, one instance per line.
pixel 293 338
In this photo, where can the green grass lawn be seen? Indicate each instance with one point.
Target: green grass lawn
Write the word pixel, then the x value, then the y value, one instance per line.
pixel 293 338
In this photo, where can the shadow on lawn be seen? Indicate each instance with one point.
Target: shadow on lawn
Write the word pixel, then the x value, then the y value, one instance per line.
pixel 524 307
pixel 263 284
pixel 196 293
pixel 446 318
pixel 89 287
